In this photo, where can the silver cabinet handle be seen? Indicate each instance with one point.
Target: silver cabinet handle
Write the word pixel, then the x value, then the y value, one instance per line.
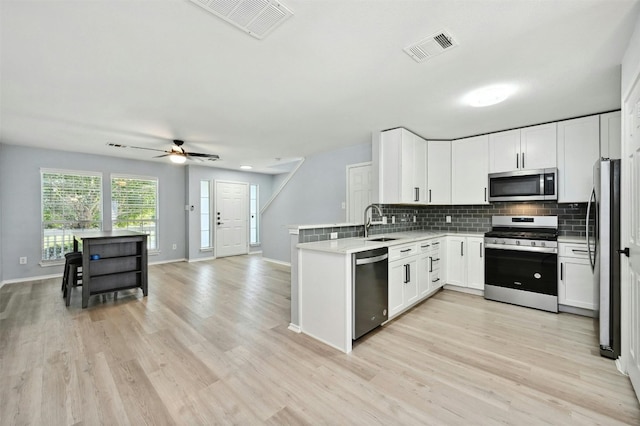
pixel 517 162
pixel 523 160
pixel 405 250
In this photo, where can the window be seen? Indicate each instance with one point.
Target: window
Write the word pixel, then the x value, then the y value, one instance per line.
pixel 205 215
pixel 70 201
pixel 134 206
pixel 253 215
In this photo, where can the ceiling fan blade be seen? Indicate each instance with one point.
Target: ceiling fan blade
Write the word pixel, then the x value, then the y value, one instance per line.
pixel 116 145
pixel 163 155
pixel 198 154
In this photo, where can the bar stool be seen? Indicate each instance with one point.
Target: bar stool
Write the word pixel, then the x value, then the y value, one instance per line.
pixel 71 275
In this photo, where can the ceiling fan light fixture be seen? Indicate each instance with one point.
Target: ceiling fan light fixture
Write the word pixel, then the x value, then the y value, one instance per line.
pixel 177 158
pixel 246 167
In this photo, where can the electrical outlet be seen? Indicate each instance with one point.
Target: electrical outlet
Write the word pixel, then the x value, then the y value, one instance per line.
pixel 414 219
pixel 344 205
pixel 448 219
pixel 23 260
pixel 393 219
pixel 384 220
pixel 175 246
pixel 333 235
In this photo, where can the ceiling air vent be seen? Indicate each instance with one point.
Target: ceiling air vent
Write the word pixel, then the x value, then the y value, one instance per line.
pixel 256 17
pixel 433 45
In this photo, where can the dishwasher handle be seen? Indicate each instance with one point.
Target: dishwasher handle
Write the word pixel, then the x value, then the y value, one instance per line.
pixel 368 260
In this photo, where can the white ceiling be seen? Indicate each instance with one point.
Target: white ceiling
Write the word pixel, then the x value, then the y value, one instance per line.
pixel 76 75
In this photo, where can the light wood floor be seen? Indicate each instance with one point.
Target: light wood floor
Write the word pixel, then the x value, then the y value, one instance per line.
pixel 210 345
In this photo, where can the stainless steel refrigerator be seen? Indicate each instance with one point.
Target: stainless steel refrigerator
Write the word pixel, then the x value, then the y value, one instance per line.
pixel 603 242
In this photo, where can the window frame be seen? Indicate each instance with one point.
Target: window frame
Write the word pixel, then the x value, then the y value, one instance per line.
pixel 100 221
pixel 112 176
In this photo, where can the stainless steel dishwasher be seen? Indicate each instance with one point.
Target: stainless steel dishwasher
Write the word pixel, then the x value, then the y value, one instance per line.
pixel 370 290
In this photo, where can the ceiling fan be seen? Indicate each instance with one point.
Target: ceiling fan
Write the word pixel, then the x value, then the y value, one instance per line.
pixel 176 154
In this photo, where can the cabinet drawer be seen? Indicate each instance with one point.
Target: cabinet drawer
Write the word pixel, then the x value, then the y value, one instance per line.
pixel 400 252
pixel 573 250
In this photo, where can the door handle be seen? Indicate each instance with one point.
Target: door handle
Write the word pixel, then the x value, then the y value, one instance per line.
pixel 220 223
pixel 624 251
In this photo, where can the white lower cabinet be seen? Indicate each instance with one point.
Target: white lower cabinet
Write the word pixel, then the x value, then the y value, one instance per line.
pixel 575 279
pixel 429 262
pixel 403 277
pixel 465 262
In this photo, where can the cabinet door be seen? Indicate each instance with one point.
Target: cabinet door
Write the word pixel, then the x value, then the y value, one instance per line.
pixel 389 160
pixel 610 129
pixel 419 166
pixel 538 146
pixel 424 272
pixel 475 263
pixel 578 150
pixel 407 168
pixel 396 287
pixel 504 151
pixel 439 172
pixel 456 269
pixel 575 287
pixel 469 170
pixel 411 293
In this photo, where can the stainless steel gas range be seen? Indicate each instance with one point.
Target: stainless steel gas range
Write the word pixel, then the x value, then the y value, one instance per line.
pixel 521 258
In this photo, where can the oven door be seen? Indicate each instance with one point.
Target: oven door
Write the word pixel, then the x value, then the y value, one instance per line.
pixel 522 269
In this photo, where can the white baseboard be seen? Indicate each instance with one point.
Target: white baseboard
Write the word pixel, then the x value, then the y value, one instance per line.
pixel 295 328
pixel 24 280
pixel 255 252
pixel 464 289
pixel 160 262
pixel 279 262
pixel 201 259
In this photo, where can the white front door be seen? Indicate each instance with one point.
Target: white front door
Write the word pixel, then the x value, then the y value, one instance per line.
pixel 231 218
pixel 358 191
pixel 630 236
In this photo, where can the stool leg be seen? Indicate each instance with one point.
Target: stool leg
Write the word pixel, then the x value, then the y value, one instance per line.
pixel 69 284
pixel 64 277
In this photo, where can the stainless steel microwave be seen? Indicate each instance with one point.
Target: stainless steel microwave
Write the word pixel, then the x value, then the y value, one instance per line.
pixel 524 185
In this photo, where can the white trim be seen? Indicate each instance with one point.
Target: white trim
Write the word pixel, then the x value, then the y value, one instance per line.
pixel 23 280
pixel 282 185
pixel 201 259
pixel 277 262
pixel 161 262
pixel 294 328
pixel 255 252
pixel 71 172
pixel 129 176
pixel 342 350
pixel 467 290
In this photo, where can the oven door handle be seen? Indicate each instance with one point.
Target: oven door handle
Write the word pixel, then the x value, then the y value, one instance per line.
pixel 521 248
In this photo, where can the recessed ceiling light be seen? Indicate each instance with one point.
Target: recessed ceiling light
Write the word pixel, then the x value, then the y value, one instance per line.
pixel 246 167
pixel 489 95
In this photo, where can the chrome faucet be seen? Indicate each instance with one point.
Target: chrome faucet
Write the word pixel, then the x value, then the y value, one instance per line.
pixel 367 223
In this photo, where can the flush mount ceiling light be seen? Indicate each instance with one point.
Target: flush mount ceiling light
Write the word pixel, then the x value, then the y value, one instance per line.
pixel 489 95
pixel 246 167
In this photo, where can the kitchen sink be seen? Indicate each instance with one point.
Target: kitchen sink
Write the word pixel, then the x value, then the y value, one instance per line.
pixel 382 239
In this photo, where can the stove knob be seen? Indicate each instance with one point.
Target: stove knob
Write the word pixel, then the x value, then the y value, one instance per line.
pixel 533 243
pixel 542 244
pixel 517 242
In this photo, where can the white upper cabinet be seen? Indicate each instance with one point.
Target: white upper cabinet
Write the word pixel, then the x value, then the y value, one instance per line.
pixel 504 151
pixel 520 149
pixel 610 128
pixel 469 170
pixel 578 150
pixel 538 147
pixel 439 172
pixel 402 168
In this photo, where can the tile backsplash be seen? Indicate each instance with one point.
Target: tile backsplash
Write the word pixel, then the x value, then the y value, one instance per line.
pixel 477 218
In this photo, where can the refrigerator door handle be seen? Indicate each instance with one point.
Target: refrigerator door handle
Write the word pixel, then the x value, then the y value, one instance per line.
pixel 592 260
pixel 624 251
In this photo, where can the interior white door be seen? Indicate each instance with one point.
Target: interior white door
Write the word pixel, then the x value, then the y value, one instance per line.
pixel 232 218
pixel 630 212
pixel 359 187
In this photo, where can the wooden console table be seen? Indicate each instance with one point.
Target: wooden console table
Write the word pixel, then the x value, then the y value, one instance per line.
pixel 122 262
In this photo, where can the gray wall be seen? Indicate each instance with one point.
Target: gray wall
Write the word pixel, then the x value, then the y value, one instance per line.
pixel 195 174
pixel 314 195
pixel 1 223
pixel 20 203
